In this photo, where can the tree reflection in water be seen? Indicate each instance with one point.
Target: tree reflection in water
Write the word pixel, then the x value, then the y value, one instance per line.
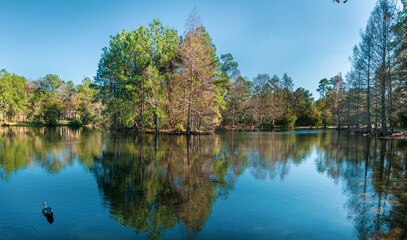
pixel 374 174
pixel 153 183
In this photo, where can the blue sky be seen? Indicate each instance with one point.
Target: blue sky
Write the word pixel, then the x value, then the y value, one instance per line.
pixel 309 40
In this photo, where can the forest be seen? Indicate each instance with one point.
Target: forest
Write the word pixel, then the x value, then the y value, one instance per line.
pixel 154 79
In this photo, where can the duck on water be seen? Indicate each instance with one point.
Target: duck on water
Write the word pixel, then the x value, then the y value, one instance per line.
pixel 48 213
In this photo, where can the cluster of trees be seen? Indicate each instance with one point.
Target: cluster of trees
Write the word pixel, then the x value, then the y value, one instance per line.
pixel 374 95
pixel 268 101
pixel 47 100
pixel 153 78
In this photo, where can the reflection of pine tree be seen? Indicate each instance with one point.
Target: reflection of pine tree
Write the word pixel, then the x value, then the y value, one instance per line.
pixel 160 183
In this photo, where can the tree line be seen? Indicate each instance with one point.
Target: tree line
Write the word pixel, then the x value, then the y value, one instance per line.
pixel 371 97
pixel 48 100
pixel 374 95
pixel 152 78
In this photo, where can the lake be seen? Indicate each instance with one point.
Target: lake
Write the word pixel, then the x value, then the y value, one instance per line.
pixel 316 184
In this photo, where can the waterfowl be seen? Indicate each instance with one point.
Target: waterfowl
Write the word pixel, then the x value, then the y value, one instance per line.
pixel 47 211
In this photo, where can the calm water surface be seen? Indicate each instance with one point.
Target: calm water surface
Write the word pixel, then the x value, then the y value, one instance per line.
pixel 231 185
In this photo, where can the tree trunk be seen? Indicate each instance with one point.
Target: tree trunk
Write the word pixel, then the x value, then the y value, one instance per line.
pixel 169 91
pixel 189 105
pixel 383 103
pixel 369 124
pixel 390 100
pixel 233 114
pixel 376 110
pixel 357 103
pixel 261 113
pixel 157 127
pixel 383 81
pixel 339 121
pixel 348 115
pixel 141 106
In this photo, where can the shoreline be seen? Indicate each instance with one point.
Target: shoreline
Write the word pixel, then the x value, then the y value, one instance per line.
pixel 398 134
pixel 402 135
pixel 161 132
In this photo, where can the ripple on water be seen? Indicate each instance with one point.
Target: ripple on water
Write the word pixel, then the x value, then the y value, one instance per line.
pixel 25 222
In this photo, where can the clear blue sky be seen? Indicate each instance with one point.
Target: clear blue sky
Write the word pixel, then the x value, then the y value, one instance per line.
pixel 308 39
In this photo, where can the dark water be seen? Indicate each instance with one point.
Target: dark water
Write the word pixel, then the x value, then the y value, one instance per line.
pixel 232 185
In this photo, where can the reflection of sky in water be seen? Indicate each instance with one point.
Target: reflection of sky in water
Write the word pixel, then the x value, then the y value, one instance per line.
pixel 289 185
pixel 293 208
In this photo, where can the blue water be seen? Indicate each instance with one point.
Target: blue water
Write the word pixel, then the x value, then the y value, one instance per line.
pixel 101 185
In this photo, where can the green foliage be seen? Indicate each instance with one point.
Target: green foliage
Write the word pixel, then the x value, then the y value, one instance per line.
pixel 87 105
pixel 48 100
pixel 304 108
pixel 86 116
pixel 289 120
pixel 133 71
pixel 13 95
pixel 323 87
pixel 52 112
pixel 47 104
pixel 324 113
